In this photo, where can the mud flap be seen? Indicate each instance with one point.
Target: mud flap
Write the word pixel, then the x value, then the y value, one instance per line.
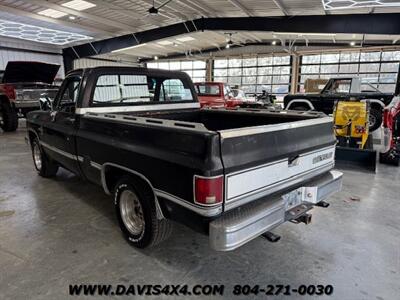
pixel 355 159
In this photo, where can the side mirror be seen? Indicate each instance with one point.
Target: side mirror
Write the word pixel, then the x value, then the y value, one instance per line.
pixel 46 103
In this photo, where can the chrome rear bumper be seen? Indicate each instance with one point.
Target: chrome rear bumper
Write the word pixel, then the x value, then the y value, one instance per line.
pixel 238 226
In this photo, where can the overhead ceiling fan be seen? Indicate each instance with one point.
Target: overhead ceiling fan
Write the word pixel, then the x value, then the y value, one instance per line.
pixel 153 11
pixel 229 40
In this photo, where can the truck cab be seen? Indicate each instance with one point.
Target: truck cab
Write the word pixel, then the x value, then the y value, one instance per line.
pixel 216 94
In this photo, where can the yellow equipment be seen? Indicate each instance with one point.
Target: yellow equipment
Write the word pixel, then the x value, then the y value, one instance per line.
pixel 351 127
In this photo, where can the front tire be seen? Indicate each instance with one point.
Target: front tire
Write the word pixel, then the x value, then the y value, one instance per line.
pixel 43 164
pixel 10 118
pixel 375 119
pixel 137 215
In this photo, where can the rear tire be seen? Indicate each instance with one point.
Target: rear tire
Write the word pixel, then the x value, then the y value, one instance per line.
pixel 10 117
pixel 375 119
pixel 43 164
pixel 137 215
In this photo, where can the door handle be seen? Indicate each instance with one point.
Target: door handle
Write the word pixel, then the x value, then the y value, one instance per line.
pixel 53 115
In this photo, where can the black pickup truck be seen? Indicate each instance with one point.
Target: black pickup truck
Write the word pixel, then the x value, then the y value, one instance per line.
pixel 346 88
pixel 233 174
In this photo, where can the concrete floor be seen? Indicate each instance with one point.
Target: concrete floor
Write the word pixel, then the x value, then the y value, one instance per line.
pixel 54 232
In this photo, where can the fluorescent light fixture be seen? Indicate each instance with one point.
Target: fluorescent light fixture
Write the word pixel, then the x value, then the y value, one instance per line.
pixel 39 34
pixel 156 57
pixel 349 4
pixel 273 43
pixel 165 43
pixel 129 48
pixel 52 13
pixel 352 43
pixel 78 4
pixel 72 17
pixel 303 34
pixel 185 39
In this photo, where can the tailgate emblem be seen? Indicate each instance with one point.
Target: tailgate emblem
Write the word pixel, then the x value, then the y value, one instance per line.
pixel 322 157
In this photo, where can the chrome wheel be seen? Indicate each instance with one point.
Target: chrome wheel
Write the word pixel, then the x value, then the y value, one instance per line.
pixel 371 121
pixel 131 212
pixel 37 156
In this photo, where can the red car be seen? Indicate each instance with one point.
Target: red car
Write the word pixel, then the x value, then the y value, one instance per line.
pixel 216 94
pixel 391 134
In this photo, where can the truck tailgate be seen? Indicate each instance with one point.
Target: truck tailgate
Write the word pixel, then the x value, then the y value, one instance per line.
pixel 264 159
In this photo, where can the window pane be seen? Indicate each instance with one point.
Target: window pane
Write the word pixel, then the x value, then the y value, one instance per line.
pixel 281 79
pixel 152 65
pixel 199 79
pixel 265 71
pixel 329 58
pixel 387 88
pixel 175 65
pixel 369 68
pixel 281 60
pixel 371 78
pixel 348 68
pixel 370 56
pixel 280 89
pixel 235 62
pixel 249 79
pixel 391 56
pixel 265 61
pixel 198 64
pixel 349 56
pixel 220 79
pixel 199 73
pixel 333 69
pixel 235 72
pixel 249 62
pixel 175 91
pixel 390 67
pixel 264 79
pixel 312 59
pixel 249 88
pixel 261 88
pixel 310 69
pixel 220 72
pixel 186 65
pixel 163 65
pixel 249 71
pixel 220 63
pixel 388 78
pixel 235 80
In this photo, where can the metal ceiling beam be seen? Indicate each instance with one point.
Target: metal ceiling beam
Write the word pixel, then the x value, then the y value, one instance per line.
pixel 34 16
pixel 281 7
pixel 360 23
pixel 85 15
pixel 241 7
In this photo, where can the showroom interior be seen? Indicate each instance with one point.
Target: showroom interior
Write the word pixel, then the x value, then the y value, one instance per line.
pixel 212 149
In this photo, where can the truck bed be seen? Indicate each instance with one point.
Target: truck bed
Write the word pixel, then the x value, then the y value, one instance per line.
pixel 259 151
pixel 218 119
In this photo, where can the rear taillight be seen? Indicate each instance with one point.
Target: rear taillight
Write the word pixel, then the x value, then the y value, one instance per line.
pixel 208 190
pixel 9 91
